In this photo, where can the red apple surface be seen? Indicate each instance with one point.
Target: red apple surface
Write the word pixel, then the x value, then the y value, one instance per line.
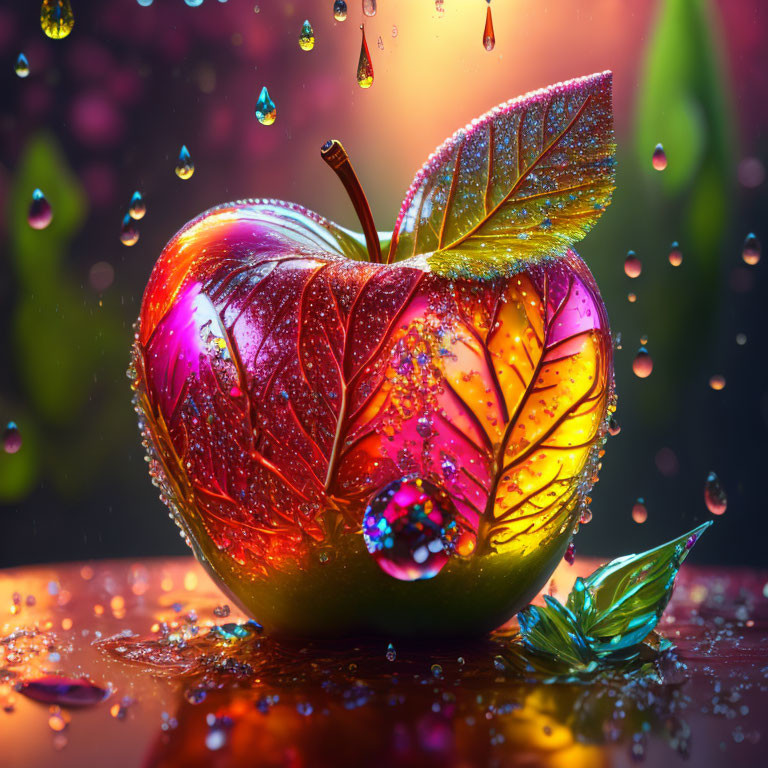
pixel 401 448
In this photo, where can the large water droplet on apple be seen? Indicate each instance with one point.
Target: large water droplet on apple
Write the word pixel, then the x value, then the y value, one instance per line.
pixel 364 66
pixel 185 167
pixel 266 111
pixel 306 37
pixel 340 10
pixel 56 18
pixel 63 691
pixel 751 250
pixel 409 529
pixel 138 207
pixel 489 37
pixel 714 495
pixel 659 159
pixel 22 66
pixel 11 438
pixel 40 211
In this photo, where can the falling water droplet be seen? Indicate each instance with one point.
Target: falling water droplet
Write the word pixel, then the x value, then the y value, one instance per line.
pixel 570 554
pixel 340 10
pixel 631 297
pixel 436 670
pixel 369 7
pixel 659 159
pixel 639 512
pixel 56 18
pixel 129 235
pixel 138 207
pixel 40 211
pixel 632 265
pixel 306 36
pixel 22 66
pixel 11 438
pixel 714 495
pixel 717 382
pixel 185 167
pixel 489 37
pixel 380 43
pixel 613 426
pixel 675 254
pixel 63 691
pixel 364 66
pixel 741 339
pixel 642 365
pixel 410 528
pixel 193 3
pixel 266 111
pixel 391 652
pixel 752 249
pixel 145 3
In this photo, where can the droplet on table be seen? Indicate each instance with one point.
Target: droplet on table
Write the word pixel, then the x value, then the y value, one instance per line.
pixel 369 7
pixel 659 158
pixel 642 365
pixel 185 167
pixel 137 207
pixel 752 249
pixel 21 67
pixel 364 66
pixel 714 495
pixel 129 234
pixel 639 512
pixel 306 36
pixel 11 438
pixel 717 382
pixel 489 37
pixel 266 111
pixel 40 211
pixel 632 265
pixel 340 10
pixel 63 691
pixel 56 18
pixel 675 254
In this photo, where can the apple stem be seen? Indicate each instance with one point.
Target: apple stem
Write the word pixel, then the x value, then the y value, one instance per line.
pixel 336 156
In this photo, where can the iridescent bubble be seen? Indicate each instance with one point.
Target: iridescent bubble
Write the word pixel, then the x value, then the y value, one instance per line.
pixel 409 528
pixel 40 211
pixel 129 234
pixel 340 10
pixel 369 7
pixel 632 265
pixel 714 495
pixel 11 438
pixel 185 167
pixel 306 36
pixel 675 254
pixel 56 18
pixel 659 159
pixel 266 111
pixel 642 365
pixel 137 207
pixel 717 382
pixel 21 67
pixel 639 512
pixel 752 249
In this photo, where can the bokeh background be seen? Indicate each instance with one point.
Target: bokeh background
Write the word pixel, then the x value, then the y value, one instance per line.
pixel 105 111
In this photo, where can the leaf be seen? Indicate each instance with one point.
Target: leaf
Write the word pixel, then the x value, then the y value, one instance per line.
pixel 620 603
pixel 525 181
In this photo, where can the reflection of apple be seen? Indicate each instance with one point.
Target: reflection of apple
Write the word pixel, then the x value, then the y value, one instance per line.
pixel 285 378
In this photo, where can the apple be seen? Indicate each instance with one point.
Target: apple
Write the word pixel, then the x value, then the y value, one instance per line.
pixel 391 434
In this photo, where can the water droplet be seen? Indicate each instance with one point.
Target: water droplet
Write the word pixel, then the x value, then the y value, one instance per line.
pixel 714 495
pixel 194 3
pixel 659 159
pixel 380 43
pixel 145 3
pixel 195 695
pixel 364 66
pixel 631 297
pixel 717 382
pixel 424 426
pixel 185 167
pixel 436 670
pixel 56 18
pixel 391 652
pixel 489 38
pixel 340 10
pixel 11 438
pixel 639 512
pixel 369 7
pixel 40 211
pixel 409 529
pixel 632 265
pixel 138 207
pixel 440 7
pixel 129 234
pixel 306 36
pixel 63 691
pixel 570 554
pixel 22 66
pixel 613 426
pixel 752 249
pixel 741 339
pixel 266 111
pixel 642 365
pixel 675 254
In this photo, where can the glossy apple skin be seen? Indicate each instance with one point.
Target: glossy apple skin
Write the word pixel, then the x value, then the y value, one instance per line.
pixel 281 382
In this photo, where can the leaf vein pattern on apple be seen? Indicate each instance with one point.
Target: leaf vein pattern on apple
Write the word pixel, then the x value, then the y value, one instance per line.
pixel 288 387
